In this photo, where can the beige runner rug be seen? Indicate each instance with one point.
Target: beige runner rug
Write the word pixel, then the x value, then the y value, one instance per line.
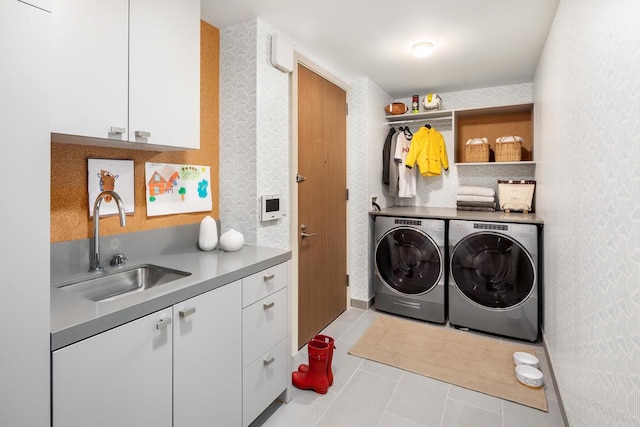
pixel 467 360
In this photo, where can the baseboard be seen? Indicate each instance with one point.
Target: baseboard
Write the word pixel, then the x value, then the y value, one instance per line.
pixel 363 305
pixel 565 421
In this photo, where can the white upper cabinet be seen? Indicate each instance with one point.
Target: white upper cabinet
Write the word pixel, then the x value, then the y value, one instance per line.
pixel 89 56
pixel 164 79
pixel 126 73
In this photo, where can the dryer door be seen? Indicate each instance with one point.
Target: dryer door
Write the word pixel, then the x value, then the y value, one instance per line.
pixel 408 261
pixel 493 270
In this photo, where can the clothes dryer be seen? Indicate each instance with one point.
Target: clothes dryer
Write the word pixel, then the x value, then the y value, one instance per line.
pixel 409 267
pixel 493 278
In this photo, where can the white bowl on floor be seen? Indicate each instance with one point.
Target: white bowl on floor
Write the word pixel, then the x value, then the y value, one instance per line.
pixel 523 358
pixel 529 376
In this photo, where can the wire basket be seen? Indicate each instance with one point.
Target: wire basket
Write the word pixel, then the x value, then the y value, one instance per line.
pixel 508 149
pixel 474 153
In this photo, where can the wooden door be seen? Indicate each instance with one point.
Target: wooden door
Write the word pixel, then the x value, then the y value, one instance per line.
pixel 322 203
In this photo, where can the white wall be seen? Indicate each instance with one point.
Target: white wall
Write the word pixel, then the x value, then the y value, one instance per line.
pixel 587 94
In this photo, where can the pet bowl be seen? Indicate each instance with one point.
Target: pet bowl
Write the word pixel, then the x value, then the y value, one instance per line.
pixel 523 358
pixel 530 376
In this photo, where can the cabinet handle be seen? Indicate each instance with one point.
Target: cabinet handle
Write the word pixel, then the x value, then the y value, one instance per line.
pixel 185 312
pixel 142 134
pixel 118 130
pixel 269 361
pixel 163 323
pixel 268 305
pixel 269 276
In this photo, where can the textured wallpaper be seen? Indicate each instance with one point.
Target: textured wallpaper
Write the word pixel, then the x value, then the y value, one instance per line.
pixel 238 130
pixel 587 94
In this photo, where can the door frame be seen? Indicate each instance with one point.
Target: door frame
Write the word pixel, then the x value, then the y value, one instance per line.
pixel 299 59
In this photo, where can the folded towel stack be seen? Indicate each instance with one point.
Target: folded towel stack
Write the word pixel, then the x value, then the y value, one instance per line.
pixel 471 198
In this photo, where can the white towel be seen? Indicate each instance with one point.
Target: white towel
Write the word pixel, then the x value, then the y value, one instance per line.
pixel 477 141
pixel 470 198
pixel 509 139
pixel 476 191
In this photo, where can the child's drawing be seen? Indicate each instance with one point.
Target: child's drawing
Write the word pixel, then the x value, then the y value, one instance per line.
pixel 114 175
pixel 173 189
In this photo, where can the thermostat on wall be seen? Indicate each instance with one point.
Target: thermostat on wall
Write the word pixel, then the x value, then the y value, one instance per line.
pixel 271 207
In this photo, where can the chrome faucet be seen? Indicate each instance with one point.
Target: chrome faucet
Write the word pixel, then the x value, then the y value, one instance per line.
pixel 94 265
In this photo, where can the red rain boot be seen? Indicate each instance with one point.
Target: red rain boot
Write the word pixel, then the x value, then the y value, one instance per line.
pixel 316 376
pixel 328 340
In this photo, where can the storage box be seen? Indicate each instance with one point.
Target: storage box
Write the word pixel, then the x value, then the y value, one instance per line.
pixel 476 152
pixel 508 149
pixel 516 195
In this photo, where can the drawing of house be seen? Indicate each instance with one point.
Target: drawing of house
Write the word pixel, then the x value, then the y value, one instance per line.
pixel 163 181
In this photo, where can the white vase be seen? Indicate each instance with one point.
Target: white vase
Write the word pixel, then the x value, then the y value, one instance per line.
pixel 208 238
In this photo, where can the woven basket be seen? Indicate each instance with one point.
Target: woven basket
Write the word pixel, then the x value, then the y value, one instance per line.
pixel 508 151
pixel 475 153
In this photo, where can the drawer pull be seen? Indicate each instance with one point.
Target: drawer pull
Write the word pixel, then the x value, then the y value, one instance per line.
pixel 142 134
pixel 117 130
pixel 269 361
pixel 185 312
pixel 269 277
pixel 268 305
pixel 163 323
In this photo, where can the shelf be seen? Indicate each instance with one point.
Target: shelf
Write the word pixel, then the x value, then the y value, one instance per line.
pixel 492 123
pixel 418 117
pixel 496 163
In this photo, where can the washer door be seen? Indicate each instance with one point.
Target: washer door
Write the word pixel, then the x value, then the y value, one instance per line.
pixel 493 270
pixel 408 261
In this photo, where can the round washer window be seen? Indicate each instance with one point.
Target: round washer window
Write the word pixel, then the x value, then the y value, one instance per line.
pixel 408 261
pixel 493 270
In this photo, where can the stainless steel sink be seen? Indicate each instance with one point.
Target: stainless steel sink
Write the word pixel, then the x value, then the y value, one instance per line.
pixel 118 283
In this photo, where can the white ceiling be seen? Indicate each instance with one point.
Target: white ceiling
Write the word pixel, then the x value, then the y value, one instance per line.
pixel 478 43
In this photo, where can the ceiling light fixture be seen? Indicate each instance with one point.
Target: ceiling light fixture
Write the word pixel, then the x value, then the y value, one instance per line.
pixel 423 49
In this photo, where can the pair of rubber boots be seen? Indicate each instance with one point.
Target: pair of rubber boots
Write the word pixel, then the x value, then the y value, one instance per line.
pixel 317 375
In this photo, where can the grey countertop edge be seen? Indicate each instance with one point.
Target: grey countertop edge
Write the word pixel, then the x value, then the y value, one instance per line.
pixel 75 319
pixel 453 213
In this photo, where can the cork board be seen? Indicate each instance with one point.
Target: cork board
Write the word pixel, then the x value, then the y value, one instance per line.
pixel 492 123
pixel 69 199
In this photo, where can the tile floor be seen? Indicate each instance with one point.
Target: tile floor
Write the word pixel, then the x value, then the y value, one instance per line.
pixel 368 394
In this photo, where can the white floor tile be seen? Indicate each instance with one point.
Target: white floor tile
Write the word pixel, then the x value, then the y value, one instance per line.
pixel 391 420
pixel 458 414
pixel 361 403
pixel 419 399
pixel 476 399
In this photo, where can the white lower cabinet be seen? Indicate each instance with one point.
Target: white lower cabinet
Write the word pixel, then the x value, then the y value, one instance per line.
pixel 121 377
pixel 207 370
pixel 214 359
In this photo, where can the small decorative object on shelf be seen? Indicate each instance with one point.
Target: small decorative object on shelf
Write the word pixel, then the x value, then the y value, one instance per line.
pixel 415 104
pixel 432 102
pixel 396 108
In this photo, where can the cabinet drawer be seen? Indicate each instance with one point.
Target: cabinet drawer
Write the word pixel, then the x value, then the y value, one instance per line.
pixel 266 282
pixel 264 380
pixel 263 324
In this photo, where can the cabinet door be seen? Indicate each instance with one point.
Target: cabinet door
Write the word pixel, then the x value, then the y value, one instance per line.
pixel 164 72
pixel 89 55
pixel 207 359
pixel 121 377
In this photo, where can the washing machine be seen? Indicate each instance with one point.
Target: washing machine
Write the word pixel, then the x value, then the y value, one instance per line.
pixel 493 278
pixel 409 267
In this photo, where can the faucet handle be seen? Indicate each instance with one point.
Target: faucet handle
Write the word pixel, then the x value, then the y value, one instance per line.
pixel 118 260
